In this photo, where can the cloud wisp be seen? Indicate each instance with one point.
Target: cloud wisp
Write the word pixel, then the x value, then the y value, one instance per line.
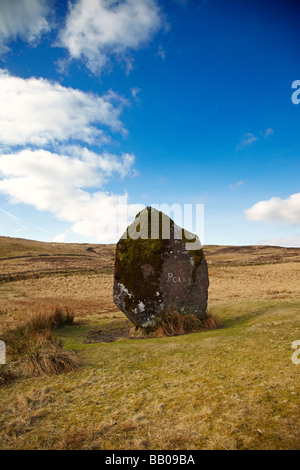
pixel 248 139
pixel 236 185
pixel 268 132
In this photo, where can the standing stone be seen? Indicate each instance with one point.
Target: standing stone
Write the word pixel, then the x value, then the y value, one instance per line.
pixel 158 267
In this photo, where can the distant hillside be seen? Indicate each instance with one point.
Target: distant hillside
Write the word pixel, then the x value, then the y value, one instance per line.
pixel 251 254
pixel 10 247
pixel 28 257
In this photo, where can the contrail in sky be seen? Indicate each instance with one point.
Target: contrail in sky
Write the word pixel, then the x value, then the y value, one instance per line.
pixel 14 219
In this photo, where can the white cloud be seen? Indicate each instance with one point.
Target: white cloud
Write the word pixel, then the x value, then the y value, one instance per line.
pixel 38 112
pixel 294 240
pixel 26 19
pixel 96 30
pixel 235 186
pixel 285 211
pixel 59 183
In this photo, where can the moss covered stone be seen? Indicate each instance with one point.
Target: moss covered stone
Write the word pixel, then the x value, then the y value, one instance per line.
pixel 156 269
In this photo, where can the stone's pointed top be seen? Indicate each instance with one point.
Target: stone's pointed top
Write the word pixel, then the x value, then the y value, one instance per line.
pixel 159 266
pixel 154 224
pixel 149 212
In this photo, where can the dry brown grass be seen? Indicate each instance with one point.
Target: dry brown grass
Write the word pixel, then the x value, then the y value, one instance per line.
pixel 261 282
pixel 35 327
pixel 84 294
pixel 32 348
pixel 47 358
pixel 175 324
pixel 57 318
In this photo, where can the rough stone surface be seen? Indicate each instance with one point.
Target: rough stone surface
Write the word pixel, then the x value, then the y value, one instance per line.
pixel 153 276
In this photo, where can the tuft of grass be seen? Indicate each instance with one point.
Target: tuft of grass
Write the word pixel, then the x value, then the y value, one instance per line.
pixel 174 323
pixel 36 325
pixel 48 358
pixel 41 321
pixel 33 349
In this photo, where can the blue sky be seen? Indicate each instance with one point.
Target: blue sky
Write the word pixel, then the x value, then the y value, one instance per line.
pixel 168 101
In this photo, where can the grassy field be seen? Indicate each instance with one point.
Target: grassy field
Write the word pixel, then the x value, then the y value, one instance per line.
pixel 232 388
